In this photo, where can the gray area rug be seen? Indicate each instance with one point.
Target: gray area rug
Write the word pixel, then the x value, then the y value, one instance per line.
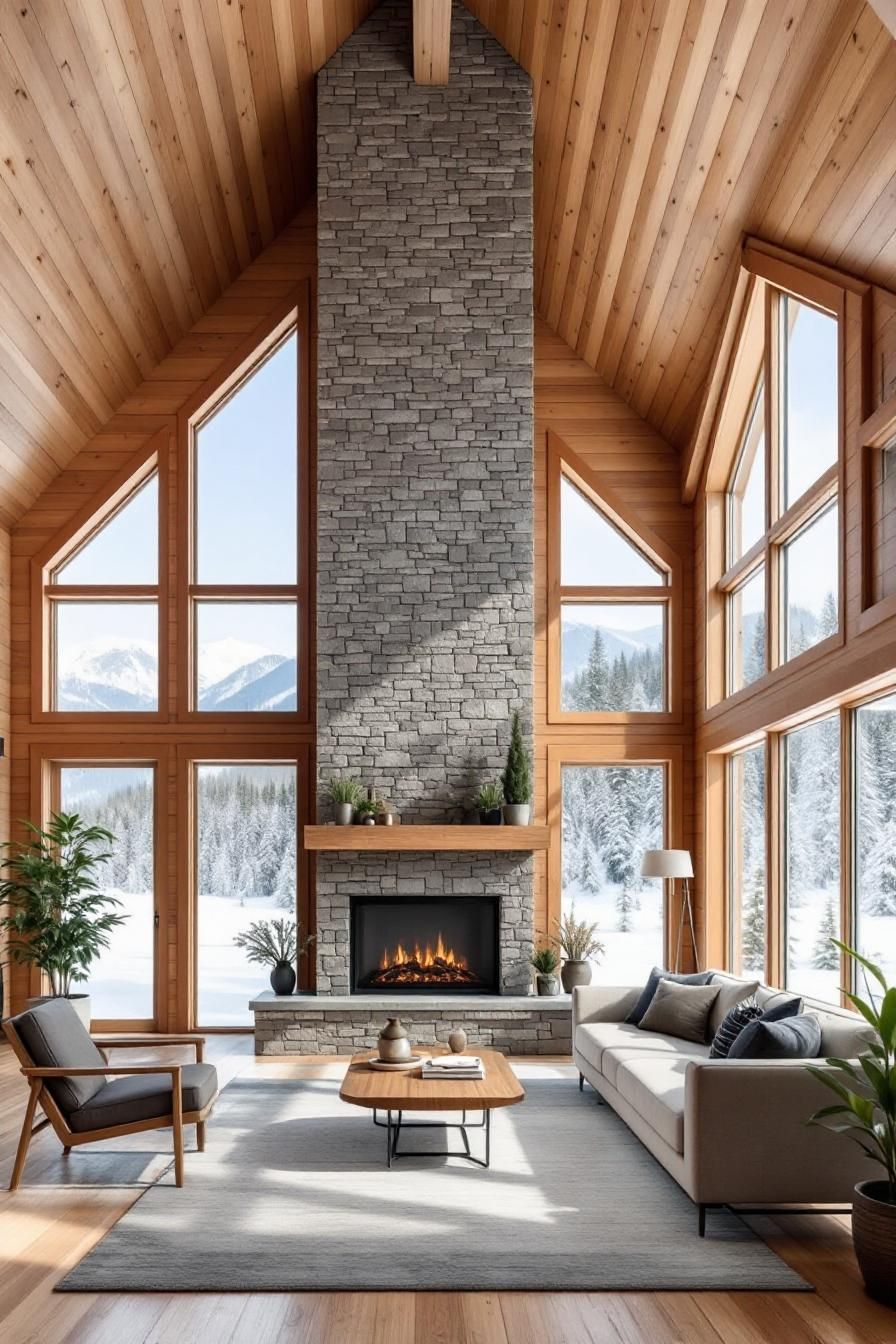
pixel 293 1194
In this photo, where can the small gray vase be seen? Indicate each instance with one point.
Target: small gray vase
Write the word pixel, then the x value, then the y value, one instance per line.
pixel 394 1046
pixel 574 973
pixel 457 1041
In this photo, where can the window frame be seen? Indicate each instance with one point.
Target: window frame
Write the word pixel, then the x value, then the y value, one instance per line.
pixel 562 463
pixel 46 762
pixel 753 357
pixel 47 595
pixel 294 316
pixel 191 755
pixel 671 757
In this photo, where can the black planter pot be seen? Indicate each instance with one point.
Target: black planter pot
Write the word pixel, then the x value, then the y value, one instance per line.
pixel 283 978
pixel 490 818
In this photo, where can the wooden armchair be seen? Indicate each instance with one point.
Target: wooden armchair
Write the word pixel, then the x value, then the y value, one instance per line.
pixel 69 1074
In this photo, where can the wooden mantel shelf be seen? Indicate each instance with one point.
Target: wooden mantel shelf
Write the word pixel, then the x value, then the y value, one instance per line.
pixel 484 839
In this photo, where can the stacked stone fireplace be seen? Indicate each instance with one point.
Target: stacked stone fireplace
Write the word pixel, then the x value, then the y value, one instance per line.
pixel 424 467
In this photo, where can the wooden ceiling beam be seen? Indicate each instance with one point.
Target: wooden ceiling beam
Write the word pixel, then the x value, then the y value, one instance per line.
pixel 432 41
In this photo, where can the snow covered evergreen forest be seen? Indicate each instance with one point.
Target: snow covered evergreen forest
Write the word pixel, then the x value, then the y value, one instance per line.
pixel 627 680
pixel 611 815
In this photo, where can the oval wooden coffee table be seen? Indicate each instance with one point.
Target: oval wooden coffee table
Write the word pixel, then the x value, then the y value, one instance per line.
pixel 395 1093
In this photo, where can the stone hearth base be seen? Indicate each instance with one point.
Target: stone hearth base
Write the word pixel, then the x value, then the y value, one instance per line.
pixel 341 1025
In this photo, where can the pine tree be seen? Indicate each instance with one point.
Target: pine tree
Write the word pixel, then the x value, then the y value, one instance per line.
pixel 594 690
pixel 752 928
pixel 517 776
pixel 825 956
pixel 828 620
pixel 625 905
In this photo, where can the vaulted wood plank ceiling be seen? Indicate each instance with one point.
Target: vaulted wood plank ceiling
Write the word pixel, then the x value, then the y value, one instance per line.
pixel 150 148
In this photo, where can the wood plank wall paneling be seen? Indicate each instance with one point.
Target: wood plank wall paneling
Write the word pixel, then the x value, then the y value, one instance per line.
pixel 209 346
pixel 150 151
pixel 642 470
pixel 865 657
pixel 665 130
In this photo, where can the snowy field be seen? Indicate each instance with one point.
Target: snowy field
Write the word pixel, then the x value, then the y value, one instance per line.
pixel 120 985
pixel 877 941
pixel 629 957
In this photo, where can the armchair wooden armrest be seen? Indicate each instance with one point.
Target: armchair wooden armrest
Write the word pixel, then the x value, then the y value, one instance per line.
pixel 101 1070
pixel 135 1041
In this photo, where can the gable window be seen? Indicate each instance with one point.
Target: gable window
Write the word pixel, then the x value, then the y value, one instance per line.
pixel 780 587
pixel 102 609
pixel 609 618
pixel 245 595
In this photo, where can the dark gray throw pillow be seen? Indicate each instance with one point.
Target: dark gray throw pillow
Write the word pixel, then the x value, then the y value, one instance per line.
pixel 780 1009
pixel 647 993
pixel 789 1038
pixel 680 1010
pixel 733 1023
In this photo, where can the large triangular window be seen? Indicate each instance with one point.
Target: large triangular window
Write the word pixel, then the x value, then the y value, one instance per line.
pixel 609 596
pixel 102 594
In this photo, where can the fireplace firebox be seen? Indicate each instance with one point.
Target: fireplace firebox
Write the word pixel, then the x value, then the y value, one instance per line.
pixel 425 945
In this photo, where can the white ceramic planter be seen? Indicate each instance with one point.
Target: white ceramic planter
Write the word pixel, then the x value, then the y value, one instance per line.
pixel 517 814
pixel 80 1003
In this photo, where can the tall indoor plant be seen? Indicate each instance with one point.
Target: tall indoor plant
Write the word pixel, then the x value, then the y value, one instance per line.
pixel 58 917
pixel 516 780
pixel 866 1113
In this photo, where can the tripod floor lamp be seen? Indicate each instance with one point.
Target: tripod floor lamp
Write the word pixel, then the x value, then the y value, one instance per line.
pixel 672 864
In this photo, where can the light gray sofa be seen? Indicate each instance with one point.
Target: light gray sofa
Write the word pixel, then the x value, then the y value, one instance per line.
pixel 729 1131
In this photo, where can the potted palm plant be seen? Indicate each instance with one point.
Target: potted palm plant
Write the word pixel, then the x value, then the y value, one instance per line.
pixel 344 794
pixel 58 917
pixel 866 1112
pixel 516 780
pixel 275 943
pixel 487 802
pixel 545 961
pixel 579 945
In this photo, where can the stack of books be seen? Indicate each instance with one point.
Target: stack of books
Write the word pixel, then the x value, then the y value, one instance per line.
pixel 453 1066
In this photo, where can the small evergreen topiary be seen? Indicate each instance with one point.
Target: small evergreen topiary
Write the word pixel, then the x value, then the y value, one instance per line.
pixel 517 776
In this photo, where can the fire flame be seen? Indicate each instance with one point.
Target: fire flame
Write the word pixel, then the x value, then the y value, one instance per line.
pixel 422 956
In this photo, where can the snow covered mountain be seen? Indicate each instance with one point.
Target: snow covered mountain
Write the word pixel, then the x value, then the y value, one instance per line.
pixel 106 675
pixel 579 637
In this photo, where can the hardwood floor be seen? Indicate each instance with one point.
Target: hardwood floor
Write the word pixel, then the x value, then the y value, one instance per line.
pixel 66 1204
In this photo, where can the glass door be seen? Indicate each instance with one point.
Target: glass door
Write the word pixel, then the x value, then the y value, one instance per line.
pixel 121 798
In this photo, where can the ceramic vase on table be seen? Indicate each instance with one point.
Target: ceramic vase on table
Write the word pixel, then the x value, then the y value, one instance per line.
pixel 394 1045
pixel 457 1041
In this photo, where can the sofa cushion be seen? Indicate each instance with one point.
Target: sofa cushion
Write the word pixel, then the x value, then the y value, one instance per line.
pixel 793 1037
pixel 731 991
pixel 843 1035
pixel 663 1047
pixel 596 1040
pixel 56 1038
pixel 653 979
pixel 680 1010
pixel 735 1021
pixel 654 1086
pixel 145 1096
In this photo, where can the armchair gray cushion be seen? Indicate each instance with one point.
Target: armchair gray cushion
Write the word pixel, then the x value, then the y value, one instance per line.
pixel 123 1101
pixel 56 1038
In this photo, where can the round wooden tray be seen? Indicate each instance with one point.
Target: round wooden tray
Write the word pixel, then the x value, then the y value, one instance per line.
pixel 413 1063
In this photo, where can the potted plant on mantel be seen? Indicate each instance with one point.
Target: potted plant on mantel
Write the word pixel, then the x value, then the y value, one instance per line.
pixel 579 945
pixel 545 961
pixel 344 794
pixel 866 1113
pixel 59 919
pixel 275 943
pixel 487 802
pixel 517 779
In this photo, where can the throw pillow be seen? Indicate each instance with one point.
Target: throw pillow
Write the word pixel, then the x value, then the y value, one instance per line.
pixel 796 1037
pixel 782 1008
pixel 647 993
pixel 680 1010
pixel 734 1022
pixel 731 991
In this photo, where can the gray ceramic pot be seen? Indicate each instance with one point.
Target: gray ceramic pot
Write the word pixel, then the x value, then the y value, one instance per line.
pixel 574 973
pixel 283 978
pixel 393 1045
pixel 548 985
pixel 343 813
pixel 457 1041
pixel 517 814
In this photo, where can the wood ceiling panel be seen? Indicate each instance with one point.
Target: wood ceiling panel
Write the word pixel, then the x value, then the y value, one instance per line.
pixel 150 149
pixel 665 130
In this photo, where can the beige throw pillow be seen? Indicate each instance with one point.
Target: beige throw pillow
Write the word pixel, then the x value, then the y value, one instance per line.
pixel 731 992
pixel 681 1010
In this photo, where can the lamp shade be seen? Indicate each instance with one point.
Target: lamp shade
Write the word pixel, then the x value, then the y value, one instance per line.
pixel 667 863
